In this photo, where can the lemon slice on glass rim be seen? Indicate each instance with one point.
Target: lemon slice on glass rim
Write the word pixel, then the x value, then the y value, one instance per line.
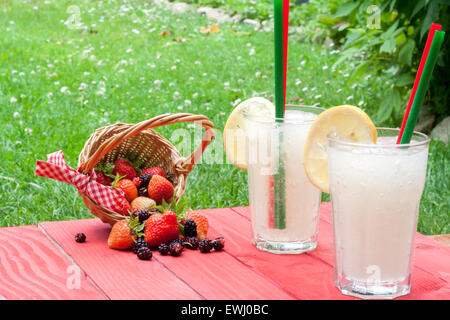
pixel 348 123
pixel 234 133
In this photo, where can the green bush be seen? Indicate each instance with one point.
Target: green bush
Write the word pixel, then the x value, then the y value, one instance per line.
pixel 393 47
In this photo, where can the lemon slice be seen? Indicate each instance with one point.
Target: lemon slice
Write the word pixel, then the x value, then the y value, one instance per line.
pixel 234 133
pixel 348 123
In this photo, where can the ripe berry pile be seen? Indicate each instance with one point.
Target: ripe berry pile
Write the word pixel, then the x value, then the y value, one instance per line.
pixel 167 228
pixel 142 189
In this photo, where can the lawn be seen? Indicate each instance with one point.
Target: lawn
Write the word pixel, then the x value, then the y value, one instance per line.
pixel 130 62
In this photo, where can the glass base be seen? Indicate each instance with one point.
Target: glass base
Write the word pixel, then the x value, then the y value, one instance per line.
pixel 374 291
pixel 291 247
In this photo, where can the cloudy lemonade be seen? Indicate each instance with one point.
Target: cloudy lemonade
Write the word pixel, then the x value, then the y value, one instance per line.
pixel 375 192
pixel 301 199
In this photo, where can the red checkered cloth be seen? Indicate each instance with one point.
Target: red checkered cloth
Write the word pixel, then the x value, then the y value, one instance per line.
pixel 56 168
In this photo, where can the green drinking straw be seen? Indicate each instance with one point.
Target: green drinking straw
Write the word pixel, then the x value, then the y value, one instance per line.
pixel 423 86
pixel 278 178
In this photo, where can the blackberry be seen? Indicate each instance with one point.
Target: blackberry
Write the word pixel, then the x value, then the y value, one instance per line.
pixel 163 249
pixel 205 246
pixel 191 243
pixel 145 179
pixel 80 237
pixel 190 228
pixel 139 243
pixel 155 210
pixel 144 253
pixel 218 243
pixel 143 214
pixel 143 192
pixel 175 248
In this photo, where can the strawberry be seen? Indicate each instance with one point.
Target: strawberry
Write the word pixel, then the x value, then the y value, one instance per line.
pixel 126 208
pixel 124 168
pixel 137 181
pixel 160 188
pixel 124 233
pixel 127 186
pixel 154 171
pixel 143 203
pixel 161 228
pixel 202 223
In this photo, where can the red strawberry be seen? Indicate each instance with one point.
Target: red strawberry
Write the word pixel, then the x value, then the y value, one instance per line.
pixel 121 236
pixel 102 178
pixel 160 228
pixel 202 223
pixel 124 168
pixel 154 171
pixel 160 188
pixel 126 208
pixel 137 181
pixel 128 187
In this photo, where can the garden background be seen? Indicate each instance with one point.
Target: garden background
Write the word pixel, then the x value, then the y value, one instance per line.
pixel 67 68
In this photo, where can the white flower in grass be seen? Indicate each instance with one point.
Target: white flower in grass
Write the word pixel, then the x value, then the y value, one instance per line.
pixel 195 95
pixel 303 62
pixel 197 62
pixel 297 82
pixel 83 86
pixel 327 82
pixel 180 107
pixel 99 63
pixel 86 73
pixel 32 72
pixel 28 131
pixel 65 90
pixel 360 103
pixel 129 50
pixel 313 89
pixel 238 58
pixel 92 57
pixel 324 67
pixel 339 90
pixel 157 83
pixel 13 100
pixel 236 102
pixel 135 31
pixel 318 96
pixel 176 95
pixel 305 89
pixel 187 102
pixel 173 68
pixel 258 74
pixel 171 84
pixel 121 71
pixel 251 52
pixel 191 78
pixel 204 74
pixel 226 85
pixel 349 98
pixel 240 81
pixel 151 65
pixel 16 114
pixel 346 75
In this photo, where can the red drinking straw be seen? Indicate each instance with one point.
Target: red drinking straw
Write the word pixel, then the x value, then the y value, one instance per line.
pixel 434 27
pixel 285 42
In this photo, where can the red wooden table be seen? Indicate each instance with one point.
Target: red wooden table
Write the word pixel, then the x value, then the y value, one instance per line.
pixel 44 262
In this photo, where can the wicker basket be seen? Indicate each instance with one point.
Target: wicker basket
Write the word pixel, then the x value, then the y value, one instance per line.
pixel 118 140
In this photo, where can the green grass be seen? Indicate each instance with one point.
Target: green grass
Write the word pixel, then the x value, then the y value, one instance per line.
pixel 122 51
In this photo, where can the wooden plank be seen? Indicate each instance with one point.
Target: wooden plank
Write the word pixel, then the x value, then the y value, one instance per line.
pixel 120 274
pixel 431 261
pixel 33 268
pixel 303 276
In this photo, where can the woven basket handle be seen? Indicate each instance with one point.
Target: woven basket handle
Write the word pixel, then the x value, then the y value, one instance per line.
pixel 184 165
